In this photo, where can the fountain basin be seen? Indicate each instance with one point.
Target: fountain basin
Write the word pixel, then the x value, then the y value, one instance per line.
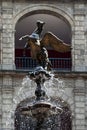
pixel 41 109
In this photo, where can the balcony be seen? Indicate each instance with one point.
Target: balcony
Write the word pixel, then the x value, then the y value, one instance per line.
pixel 59 64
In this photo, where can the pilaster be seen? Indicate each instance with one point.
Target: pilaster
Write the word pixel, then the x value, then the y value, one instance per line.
pixel 7 101
pixel 7 36
pixel 86 105
pixel 0 33
pixel 80 40
pixel 79 97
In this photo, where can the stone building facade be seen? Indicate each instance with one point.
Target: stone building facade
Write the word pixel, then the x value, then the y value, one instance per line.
pixel 75 90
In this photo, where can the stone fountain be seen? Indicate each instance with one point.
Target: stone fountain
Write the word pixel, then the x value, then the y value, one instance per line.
pixel 40 109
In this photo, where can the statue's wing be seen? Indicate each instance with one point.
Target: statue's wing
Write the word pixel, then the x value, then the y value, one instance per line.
pixel 54 42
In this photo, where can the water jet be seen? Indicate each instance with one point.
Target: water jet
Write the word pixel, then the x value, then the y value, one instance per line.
pixel 40 108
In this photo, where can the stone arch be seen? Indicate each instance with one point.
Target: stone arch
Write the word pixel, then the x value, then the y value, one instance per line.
pixel 48 9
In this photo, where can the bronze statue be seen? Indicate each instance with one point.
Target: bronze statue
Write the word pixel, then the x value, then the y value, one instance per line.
pixel 38 45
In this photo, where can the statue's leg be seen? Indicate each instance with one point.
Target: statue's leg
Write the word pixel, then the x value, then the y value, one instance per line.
pixel 49 65
pixel 39 59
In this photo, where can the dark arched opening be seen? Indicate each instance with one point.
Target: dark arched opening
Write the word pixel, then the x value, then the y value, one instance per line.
pixel 54 24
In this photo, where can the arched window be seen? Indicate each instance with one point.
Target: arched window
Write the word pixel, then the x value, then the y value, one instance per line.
pixel 60 28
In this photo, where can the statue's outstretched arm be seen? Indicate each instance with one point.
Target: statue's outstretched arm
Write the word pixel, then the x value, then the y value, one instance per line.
pixel 24 37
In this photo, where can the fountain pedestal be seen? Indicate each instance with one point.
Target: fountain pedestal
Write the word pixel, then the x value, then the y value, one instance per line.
pixel 40 108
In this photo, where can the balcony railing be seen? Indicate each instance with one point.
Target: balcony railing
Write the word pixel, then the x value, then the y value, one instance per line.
pixel 27 63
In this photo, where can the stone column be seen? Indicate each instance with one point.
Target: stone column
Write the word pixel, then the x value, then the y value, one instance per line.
pixel 7 102
pixel 0 102
pixel 80 40
pixel 0 35
pixel 86 104
pixel 7 36
pixel 79 97
pixel 0 66
pixel 86 46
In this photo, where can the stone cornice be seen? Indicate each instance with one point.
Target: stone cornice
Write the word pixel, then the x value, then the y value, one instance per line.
pixel 66 1
pixel 21 73
pixel 61 0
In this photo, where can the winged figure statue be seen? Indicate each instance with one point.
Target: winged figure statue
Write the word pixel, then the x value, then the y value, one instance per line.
pixel 38 45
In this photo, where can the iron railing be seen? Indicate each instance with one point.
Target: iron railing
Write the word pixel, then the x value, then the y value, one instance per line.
pixel 27 63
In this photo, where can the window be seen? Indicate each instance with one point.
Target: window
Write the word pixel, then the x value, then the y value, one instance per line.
pixel 26 25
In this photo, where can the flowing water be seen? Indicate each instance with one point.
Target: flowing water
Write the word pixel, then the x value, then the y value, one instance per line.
pixel 54 121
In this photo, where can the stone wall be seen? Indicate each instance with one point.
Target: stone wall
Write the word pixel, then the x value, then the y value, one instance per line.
pixel 72 12
pixel 75 90
pixel 13 92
